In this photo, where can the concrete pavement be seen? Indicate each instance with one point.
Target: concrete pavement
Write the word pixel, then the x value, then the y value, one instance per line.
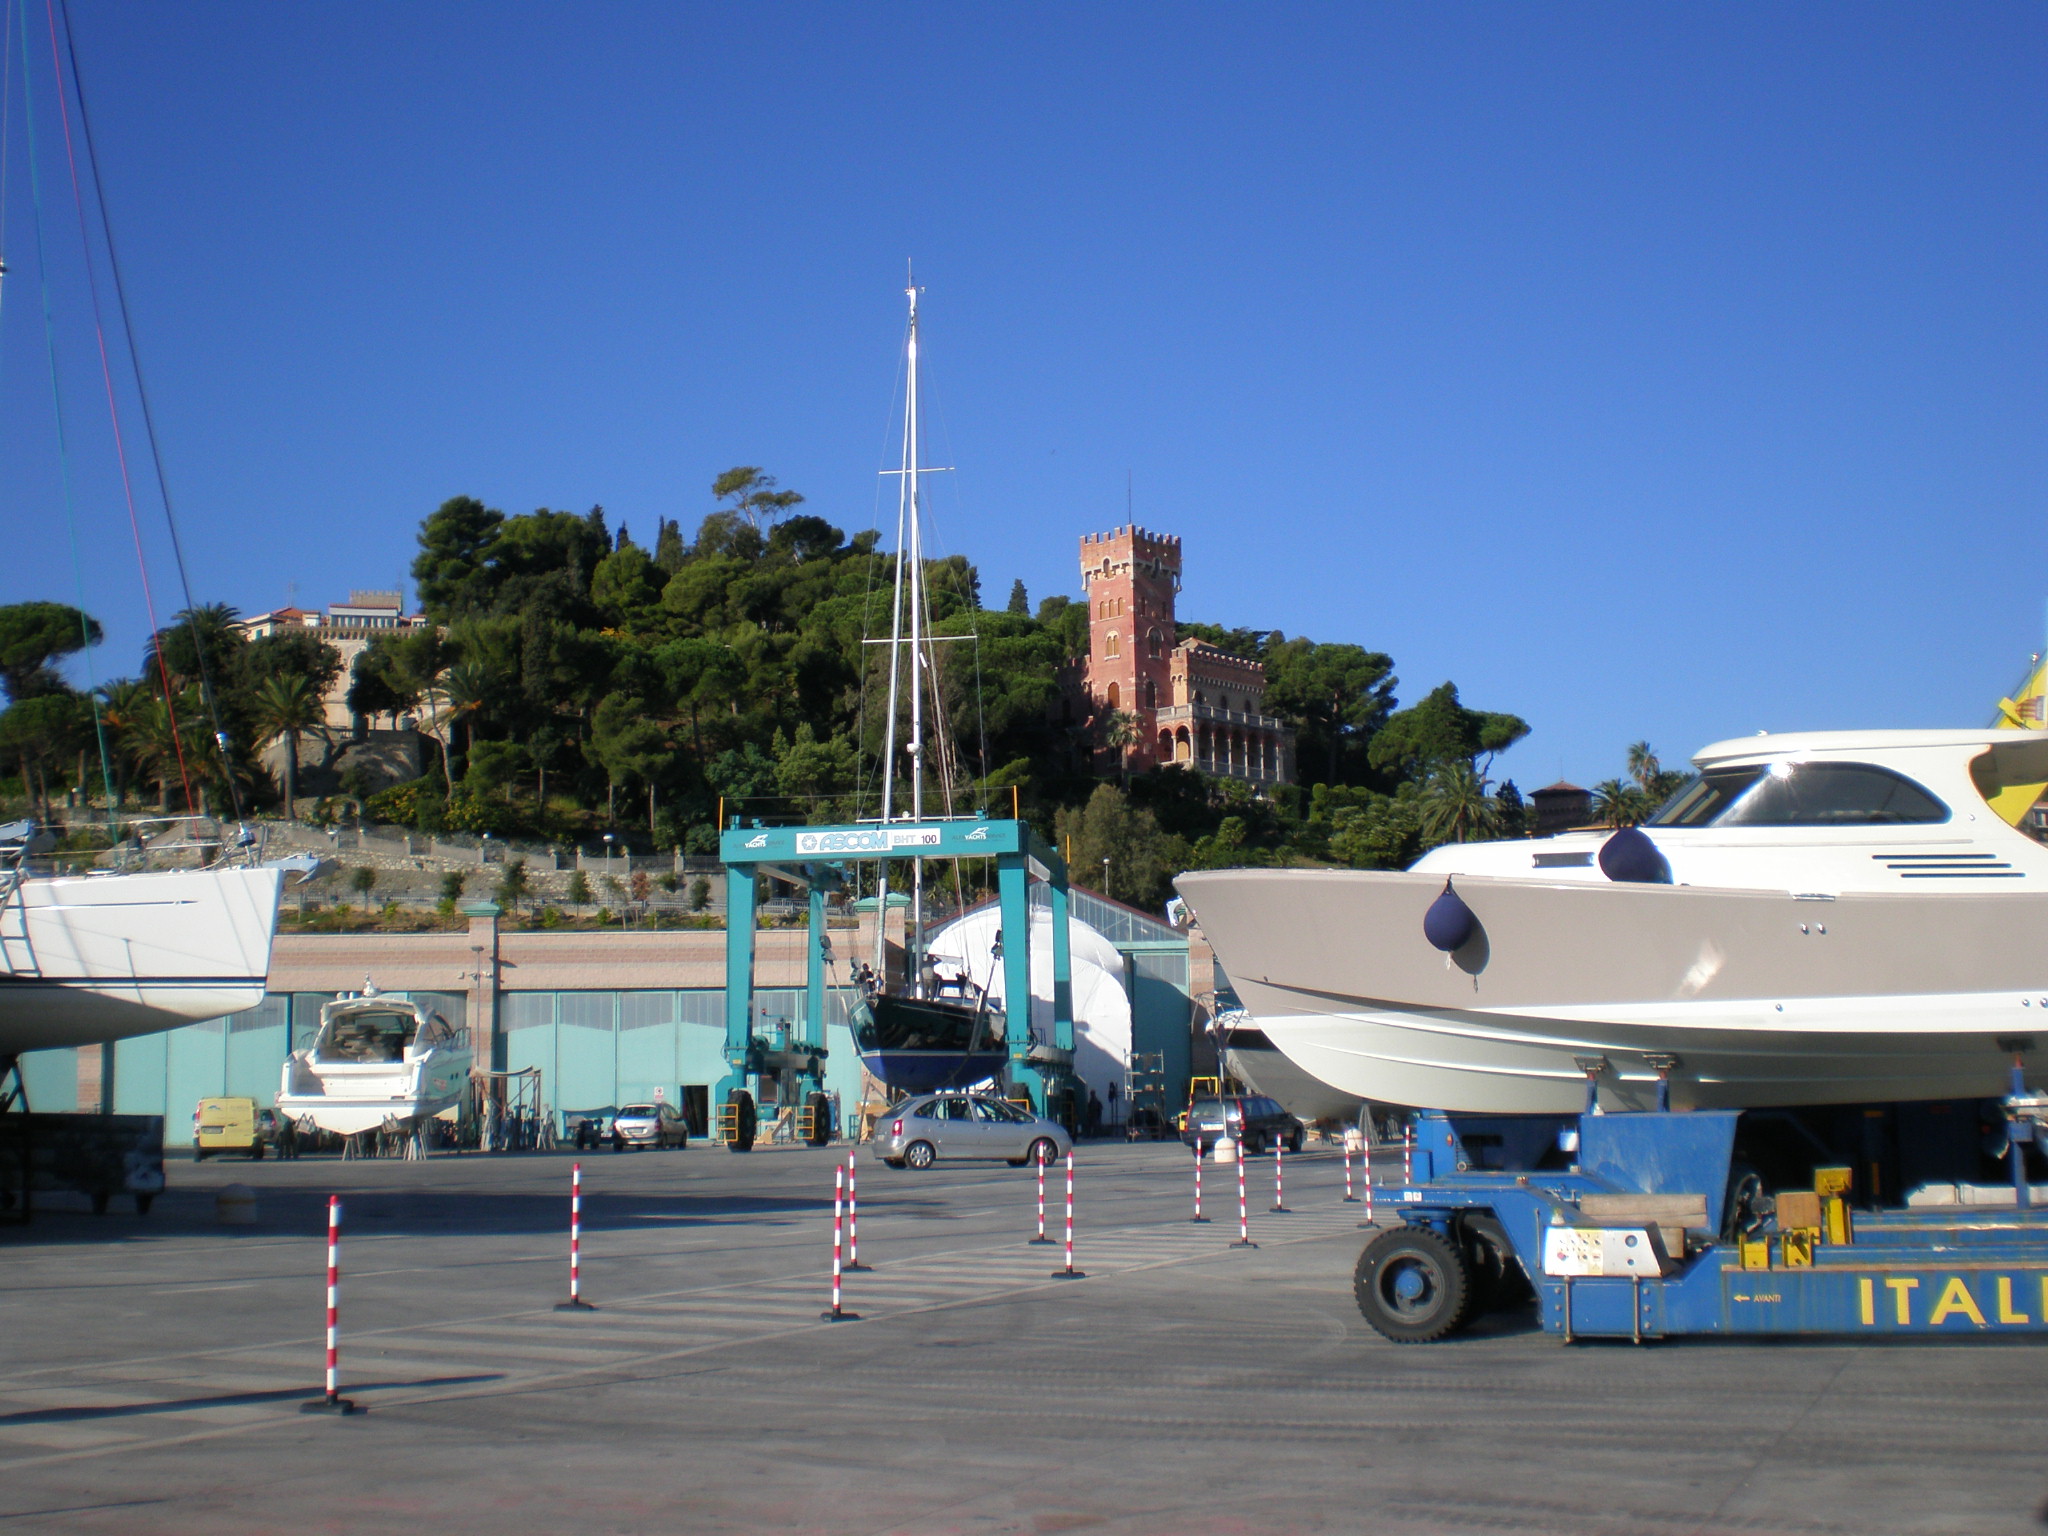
pixel 151 1369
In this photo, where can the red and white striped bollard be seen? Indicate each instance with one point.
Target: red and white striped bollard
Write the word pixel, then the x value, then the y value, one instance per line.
pixel 1041 1238
pixel 1198 1216
pixel 332 1401
pixel 853 1263
pixel 1279 1182
pixel 1244 1224
pixel 1070 1273
pixel 1407 1156
pixel 1350 1198
pixel 838 1314
pixel 575 1303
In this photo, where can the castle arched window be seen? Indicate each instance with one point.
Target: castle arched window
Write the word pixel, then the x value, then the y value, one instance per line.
pixel 1152 642
pixel 1112 697
pixel 1111 646
pixel 1151 694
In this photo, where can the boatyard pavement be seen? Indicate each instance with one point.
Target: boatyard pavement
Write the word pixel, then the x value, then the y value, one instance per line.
pixel 152 1370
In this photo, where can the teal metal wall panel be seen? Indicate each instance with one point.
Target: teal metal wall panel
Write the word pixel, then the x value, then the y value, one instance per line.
pixel 306 1008
pixel 527 1022
pixel 1161 1014
pixel 51 1078
pixel 700 1036
pixel 139 1065
pixel 257 1043
pixel 196 1068
pixel 586 1052
pixel 647 1047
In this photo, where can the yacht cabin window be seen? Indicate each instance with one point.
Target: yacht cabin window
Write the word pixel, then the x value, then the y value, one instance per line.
pixel 369 1037
pixel 1801 795
pixel 1704 796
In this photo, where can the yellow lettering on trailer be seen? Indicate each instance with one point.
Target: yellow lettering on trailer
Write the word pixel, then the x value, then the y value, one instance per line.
pixel 1866 1301
pixel 1955 1297
pixel 1902 1287
pixel 2006 1314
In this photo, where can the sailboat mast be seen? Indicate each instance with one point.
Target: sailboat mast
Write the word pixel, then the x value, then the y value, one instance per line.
pixel 917 659
pixel 906 540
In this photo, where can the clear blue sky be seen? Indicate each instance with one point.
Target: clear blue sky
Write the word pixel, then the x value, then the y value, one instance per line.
pixel 1666 372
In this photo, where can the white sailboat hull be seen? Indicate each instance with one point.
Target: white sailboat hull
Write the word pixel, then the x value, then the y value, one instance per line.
pixel 86 959
pixel 1765 998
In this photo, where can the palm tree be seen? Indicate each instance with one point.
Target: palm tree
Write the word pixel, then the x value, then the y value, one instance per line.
pixel 463 690
pixel 1119 735
pixel 1621 804
pixel 287 704
pixel 1643 766
pixel 122 703
pixel 1456 806
pixel 164 744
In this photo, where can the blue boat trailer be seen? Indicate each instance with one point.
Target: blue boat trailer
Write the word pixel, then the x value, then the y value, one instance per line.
pixel 1647 1226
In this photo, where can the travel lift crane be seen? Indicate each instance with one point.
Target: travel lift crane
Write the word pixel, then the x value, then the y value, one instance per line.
pixel 1658 1226
pixel 815 858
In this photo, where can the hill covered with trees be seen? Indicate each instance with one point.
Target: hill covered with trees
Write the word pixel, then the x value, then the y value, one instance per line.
pixel 574 681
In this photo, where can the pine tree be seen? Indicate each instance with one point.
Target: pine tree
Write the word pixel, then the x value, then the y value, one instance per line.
pixel 668 545
pixel 1019 603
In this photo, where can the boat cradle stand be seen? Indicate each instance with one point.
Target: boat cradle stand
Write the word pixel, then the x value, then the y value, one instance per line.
pixel 815 858
pixel 1658 1230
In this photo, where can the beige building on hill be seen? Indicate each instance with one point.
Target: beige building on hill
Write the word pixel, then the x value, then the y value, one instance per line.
pixel 349 627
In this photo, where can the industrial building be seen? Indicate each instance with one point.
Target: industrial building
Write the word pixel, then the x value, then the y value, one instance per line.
pixel 608 1017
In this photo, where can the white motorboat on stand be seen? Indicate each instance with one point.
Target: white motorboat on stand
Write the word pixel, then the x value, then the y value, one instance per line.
pixel 1831 918
pixel 378 1063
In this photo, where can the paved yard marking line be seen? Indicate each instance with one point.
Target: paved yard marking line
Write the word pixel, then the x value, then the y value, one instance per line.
pixel 973 1267
pixel 680 1296
pixel 598 1373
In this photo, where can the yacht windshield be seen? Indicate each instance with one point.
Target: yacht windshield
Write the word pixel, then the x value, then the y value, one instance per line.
pixel 1833 795
pixel 1704 796
pixel 368 1037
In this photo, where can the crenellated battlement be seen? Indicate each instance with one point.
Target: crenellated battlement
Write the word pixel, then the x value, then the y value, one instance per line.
pixel 1130 551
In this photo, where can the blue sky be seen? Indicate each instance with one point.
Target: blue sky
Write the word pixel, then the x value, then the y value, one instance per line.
pixel 1666 372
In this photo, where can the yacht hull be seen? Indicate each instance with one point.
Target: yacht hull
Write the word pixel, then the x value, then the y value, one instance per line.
pixel 1765 997
pixel 91 958
pixel 351 1109
pixel 1256 1062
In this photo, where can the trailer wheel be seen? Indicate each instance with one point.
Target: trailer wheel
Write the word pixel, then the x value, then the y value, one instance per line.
pixel 745 1121
pixel 1412 1285
pixel 1496 1278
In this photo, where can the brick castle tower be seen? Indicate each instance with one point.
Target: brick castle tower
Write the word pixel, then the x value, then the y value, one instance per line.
pixel 1189 702
pixel 1131 578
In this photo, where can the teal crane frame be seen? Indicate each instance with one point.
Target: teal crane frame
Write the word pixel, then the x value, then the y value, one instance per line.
pixel 803 855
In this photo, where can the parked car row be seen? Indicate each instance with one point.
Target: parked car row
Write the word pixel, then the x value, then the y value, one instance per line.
pixel 923 1129
pixel 1253 1121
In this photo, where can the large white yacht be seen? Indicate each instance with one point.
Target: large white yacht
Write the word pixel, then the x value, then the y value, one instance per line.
pixel 89 958
pixel 377 1062
pixel 1835 917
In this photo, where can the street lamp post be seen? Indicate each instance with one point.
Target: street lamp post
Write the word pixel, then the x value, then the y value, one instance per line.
pixel 1105 875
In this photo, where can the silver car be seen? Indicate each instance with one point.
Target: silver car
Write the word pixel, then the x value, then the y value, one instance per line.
pixel 659 1124
pixel 921 1130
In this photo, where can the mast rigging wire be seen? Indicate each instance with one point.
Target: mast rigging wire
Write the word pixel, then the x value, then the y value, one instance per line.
pixel 113 407
pixel 207 691
pixel 57 401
